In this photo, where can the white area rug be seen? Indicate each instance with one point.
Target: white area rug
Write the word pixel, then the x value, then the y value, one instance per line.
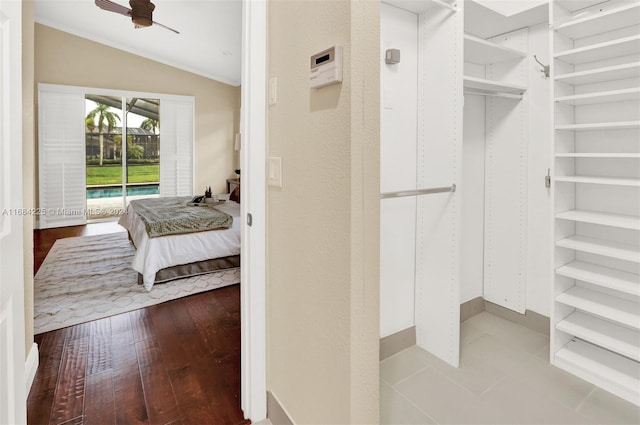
pixel 90 277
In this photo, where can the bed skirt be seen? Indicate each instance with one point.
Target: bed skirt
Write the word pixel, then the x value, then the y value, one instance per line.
pixel 194 269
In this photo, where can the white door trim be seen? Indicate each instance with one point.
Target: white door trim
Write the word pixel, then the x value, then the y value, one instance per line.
pixel 253 201
pixel 13 388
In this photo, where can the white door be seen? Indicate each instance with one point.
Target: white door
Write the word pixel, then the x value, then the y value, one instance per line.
pixel 12 354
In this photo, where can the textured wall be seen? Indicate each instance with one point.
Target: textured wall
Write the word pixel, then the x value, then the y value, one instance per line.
pixel 62 58
pixel 322 226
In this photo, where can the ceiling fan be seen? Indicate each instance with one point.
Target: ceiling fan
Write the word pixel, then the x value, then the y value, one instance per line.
pixel 141 12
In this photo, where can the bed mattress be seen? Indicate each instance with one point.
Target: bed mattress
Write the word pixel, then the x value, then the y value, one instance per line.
pixel 155 254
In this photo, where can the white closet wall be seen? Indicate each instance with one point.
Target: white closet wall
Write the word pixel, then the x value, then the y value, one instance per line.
pixel 439 216
pixel 421 148
pixel 596 290
pixel 539 228
pixel 398 133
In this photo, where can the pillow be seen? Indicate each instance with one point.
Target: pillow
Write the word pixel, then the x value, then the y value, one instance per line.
pixel 235 194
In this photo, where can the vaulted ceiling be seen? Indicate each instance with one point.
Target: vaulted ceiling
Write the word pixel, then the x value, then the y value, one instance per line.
pixel 209 43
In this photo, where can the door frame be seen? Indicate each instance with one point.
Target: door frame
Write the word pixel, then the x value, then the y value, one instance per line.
pixel 253 202
pixel 13 367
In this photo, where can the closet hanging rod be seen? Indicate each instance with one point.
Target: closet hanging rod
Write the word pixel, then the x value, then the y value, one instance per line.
pixel 403 193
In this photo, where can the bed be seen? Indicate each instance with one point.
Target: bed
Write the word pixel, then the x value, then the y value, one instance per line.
pixel 163 258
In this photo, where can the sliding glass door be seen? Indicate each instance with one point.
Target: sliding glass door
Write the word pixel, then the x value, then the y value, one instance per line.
pixel 99 148
pixel 122 152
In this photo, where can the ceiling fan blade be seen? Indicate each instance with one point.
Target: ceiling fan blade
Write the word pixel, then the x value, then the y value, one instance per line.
pixel 110 6
pixel 164 26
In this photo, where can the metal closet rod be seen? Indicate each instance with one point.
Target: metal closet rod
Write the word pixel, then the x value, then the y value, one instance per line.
pixel 403 193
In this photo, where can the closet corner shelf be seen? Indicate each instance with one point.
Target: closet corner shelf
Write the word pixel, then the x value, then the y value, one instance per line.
pixel 628 283
pixel 613 125
pixel 614 181
pixel 605 219
pixel 421 5
pixel 599 23
pixel 602 333
pixel 602 247
pixel 489 86
pixel 599 75
pixel 608 307
pixel 601 367
pixel 628 155
pixel 483 52
pixel 609 96
pixel 596 52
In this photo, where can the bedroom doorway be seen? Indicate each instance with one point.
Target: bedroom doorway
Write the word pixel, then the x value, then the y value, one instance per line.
pixel 118 172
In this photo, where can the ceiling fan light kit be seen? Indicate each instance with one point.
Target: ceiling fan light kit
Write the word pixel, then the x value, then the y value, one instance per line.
pixel 142 12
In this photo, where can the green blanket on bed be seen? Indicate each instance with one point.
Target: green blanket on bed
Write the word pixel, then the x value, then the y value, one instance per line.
pixel 172 216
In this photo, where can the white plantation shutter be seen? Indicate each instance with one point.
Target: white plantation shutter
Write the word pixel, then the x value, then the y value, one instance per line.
pixel 176 147
pixel 61 141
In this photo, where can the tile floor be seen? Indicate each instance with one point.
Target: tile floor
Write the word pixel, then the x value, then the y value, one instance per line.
pixel 504 378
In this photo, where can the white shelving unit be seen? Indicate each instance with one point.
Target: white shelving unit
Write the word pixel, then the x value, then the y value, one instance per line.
pixel 594 126
pixel 483 52
pixel 602 247
pixel 599 180
pixel 487 54
pixel 605 219
pixel 601 97
pixel 493 86
pixel 599 75
pixel 596 281
pixel 597 155
pixel 606 50
pixel 597 23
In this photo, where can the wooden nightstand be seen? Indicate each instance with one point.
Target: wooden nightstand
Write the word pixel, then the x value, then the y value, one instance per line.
pixel 232 184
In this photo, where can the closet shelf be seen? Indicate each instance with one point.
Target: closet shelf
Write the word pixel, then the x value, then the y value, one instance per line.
pixel 600 51
pixel 598 155
pixel 602 247
pixel 573 5
pixel 601 97
pixel 421 6
pixel 602 333
pixel 614 373
pixel 492 86
pixel 483 52
pixel 602 305
pixel 606 21
pixel 606 219
pixel 614 181
pixel 628 283
pixel 614 125
pixel 599 75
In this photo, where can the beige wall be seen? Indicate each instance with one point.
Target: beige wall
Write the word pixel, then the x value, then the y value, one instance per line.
pixel 62 58
pixel 322 226
pixel 28 160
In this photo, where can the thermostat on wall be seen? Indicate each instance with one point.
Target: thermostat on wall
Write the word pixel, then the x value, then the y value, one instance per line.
pixel 326 68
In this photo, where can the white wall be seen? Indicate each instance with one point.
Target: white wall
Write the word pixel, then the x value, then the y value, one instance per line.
pixel 398 127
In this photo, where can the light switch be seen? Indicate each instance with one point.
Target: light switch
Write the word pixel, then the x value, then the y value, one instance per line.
pixel 273 90
pixel 275 171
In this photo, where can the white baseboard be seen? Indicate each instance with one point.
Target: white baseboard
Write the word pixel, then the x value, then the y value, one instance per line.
pixel 31 366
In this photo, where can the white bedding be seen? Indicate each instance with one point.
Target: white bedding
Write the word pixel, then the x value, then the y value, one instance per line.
pixel 153 254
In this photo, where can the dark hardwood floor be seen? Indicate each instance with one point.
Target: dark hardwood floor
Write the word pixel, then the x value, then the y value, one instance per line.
pixel 173 363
